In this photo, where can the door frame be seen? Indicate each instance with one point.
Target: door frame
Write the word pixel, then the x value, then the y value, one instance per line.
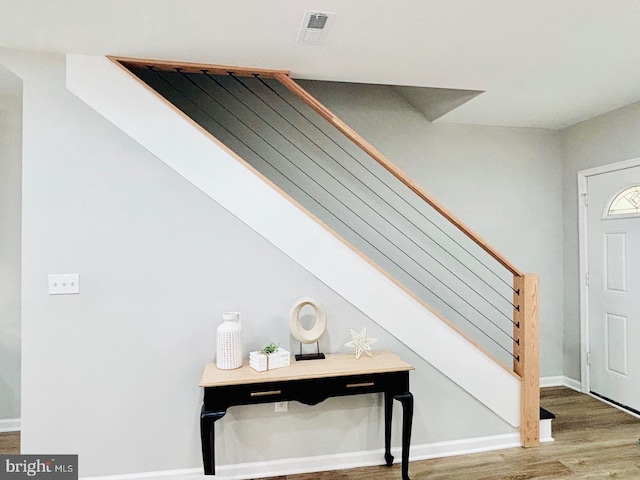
pixel 583 176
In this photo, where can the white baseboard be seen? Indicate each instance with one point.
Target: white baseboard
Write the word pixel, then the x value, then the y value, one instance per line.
pixel 557 381
pixel 561 381
pixel 573 384
pixel 318 463
pixel 461 447
pixel 10 425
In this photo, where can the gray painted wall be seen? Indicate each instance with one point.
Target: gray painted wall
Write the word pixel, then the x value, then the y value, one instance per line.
pixel 10 231
pixel 159 262
pixel 602 140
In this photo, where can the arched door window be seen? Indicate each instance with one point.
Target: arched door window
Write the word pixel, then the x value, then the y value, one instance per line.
pixel 627 202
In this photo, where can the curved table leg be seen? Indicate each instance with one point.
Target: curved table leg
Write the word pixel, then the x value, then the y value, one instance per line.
pixel 207 435
pixel 406 399
pixel 388 411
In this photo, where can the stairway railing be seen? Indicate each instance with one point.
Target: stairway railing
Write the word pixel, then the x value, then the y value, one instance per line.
pixel 269 120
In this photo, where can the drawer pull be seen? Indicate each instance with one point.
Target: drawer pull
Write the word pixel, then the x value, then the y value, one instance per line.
pixel 364 384
pixel 264 394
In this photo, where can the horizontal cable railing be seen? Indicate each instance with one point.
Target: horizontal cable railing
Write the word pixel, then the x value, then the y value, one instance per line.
pixel 291 144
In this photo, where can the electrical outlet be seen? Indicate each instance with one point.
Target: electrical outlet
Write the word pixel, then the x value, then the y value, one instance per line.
pixel 282 406
pixel 63 284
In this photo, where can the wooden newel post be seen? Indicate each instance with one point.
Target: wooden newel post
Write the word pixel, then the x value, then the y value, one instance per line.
pixel 527 352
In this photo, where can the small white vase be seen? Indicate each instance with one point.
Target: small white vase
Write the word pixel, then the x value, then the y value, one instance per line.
pixel 229 342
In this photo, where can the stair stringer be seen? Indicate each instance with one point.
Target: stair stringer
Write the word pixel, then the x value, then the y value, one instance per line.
pixel 216 171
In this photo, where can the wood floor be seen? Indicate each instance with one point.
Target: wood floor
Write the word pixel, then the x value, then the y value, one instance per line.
pixel 10 443
pixel 592 441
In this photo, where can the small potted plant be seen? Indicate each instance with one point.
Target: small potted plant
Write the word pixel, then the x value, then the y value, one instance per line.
pixel 270 357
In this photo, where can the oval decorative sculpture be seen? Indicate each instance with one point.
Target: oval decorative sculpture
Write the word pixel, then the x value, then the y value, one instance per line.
pixel 319 325
pixel 312 334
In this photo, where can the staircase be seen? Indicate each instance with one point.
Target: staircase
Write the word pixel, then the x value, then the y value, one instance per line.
pixel 333 203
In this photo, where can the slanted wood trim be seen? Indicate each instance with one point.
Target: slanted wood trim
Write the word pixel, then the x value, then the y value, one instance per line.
pixel 292 86
pixel 199 67
pixel 527 364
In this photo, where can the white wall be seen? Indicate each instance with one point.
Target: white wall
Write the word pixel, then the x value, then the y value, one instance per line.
pixel 10 226
pixel 159 262
pixel 505 183
pixel 606 139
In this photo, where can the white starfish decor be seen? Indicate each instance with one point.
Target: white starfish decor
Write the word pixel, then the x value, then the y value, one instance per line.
pixel 360 342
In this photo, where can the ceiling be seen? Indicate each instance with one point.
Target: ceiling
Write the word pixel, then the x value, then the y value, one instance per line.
pixel 543 63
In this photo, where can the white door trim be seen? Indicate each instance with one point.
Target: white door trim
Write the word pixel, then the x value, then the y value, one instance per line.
pixel 583 176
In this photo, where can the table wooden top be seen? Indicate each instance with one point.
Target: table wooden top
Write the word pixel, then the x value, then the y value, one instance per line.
pixel 335 365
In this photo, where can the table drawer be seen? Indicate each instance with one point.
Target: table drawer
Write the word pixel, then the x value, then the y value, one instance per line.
pixel 307 391
pixel 220 398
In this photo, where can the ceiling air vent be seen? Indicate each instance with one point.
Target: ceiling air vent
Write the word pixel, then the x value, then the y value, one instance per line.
pixel 314 24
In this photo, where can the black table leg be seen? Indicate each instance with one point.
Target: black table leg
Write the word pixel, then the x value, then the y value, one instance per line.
pixel 388 412
pixel 406 399
pixel 207 435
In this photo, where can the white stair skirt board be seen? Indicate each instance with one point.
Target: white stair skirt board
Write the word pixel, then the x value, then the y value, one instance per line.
pixel 545 431
pixel 320 463
pixel 174 139
pixel 10 425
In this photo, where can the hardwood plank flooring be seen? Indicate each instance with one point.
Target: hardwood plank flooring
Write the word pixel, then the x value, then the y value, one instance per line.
pixel 10 443
pixel 592 441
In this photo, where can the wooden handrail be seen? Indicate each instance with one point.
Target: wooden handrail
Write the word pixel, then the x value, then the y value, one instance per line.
pixel 198 67
pixel 323 111
pixel 283 76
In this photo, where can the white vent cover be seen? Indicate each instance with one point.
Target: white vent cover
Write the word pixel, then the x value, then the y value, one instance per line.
pixel 314 24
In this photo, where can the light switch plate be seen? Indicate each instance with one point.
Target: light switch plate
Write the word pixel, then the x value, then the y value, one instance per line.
pixel 64 284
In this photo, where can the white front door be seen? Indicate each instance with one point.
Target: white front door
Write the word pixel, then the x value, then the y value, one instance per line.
pixel 614 285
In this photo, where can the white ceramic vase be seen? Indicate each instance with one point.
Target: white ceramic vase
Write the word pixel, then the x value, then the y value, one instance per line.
pixel 229 342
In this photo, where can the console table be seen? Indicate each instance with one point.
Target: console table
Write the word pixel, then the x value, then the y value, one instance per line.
pixel 309 382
